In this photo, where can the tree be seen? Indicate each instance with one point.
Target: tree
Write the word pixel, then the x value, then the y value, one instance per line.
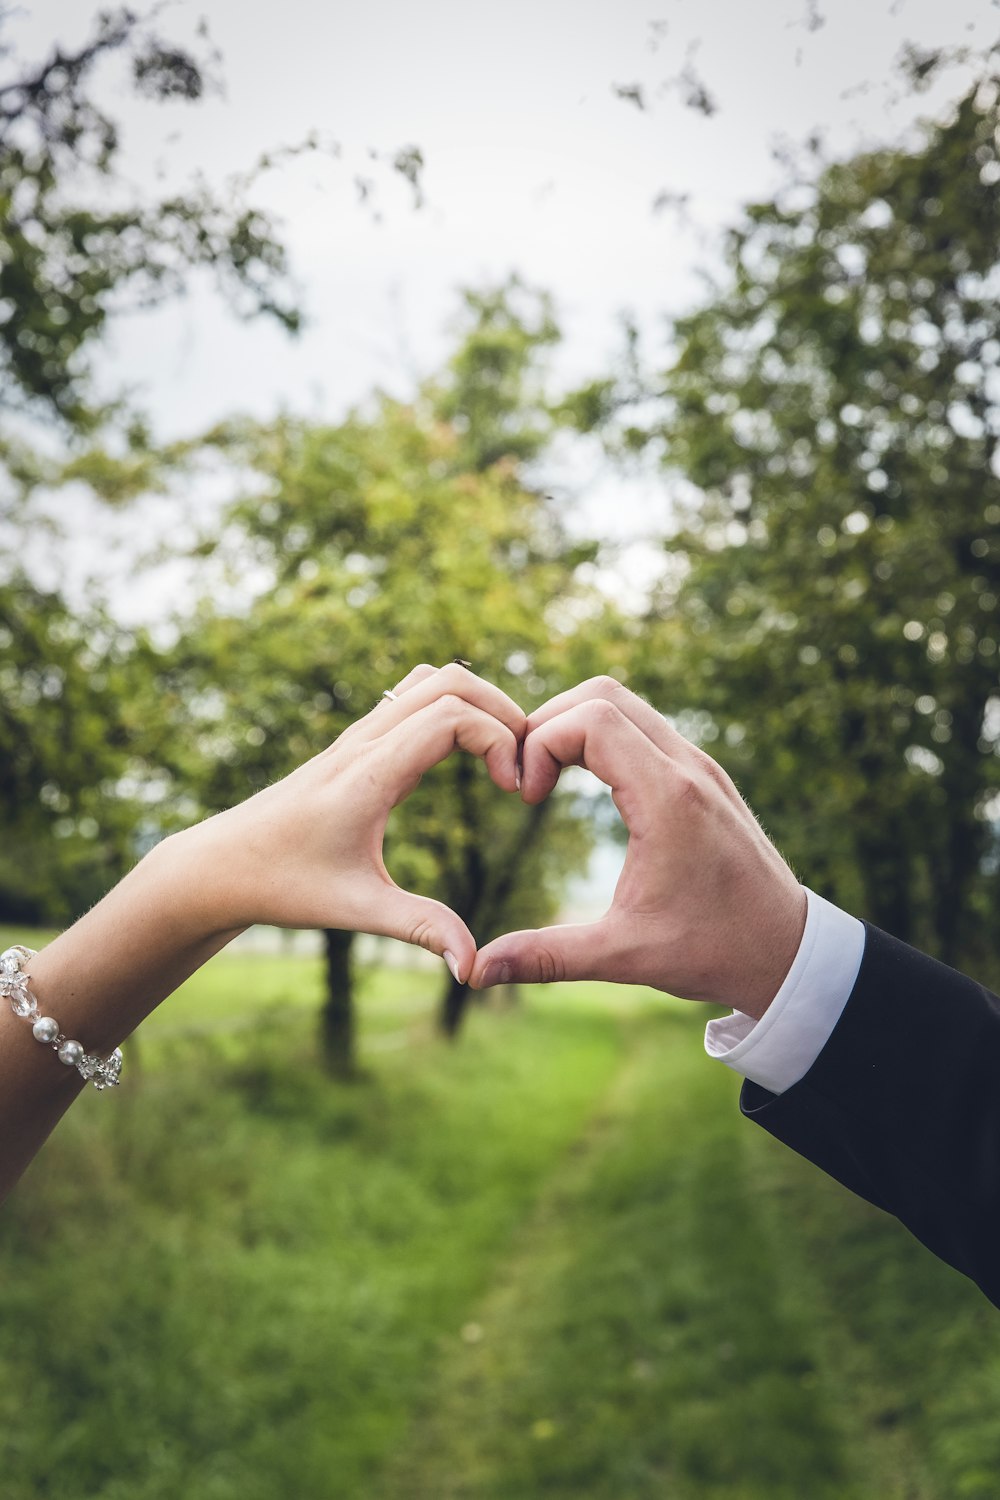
pixel 64 726
pixel 78 245
pixel 75 246
pixel 830 619
pixel 405 534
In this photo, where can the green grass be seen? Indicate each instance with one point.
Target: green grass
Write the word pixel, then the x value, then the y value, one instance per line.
pixel 550 1261
pixel 690 1311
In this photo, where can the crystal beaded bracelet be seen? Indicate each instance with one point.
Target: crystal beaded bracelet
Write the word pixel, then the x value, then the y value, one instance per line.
pixel 103 1072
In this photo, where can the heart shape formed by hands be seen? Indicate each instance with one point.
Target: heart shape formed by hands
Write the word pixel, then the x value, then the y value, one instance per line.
pixel 705 906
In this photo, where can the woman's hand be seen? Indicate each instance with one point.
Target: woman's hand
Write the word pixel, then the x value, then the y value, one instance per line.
pixel 307 852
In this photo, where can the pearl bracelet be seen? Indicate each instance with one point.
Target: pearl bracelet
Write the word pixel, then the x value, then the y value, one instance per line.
pixel 103 1072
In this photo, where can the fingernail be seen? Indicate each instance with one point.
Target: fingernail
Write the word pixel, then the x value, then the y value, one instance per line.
pixel 517 777
pixel 497 972
pixel 452 963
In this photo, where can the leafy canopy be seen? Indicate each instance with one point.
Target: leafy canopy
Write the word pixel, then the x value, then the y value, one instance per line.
pixel 831 422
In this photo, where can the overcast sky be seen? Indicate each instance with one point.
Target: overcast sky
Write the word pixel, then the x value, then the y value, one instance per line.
pixel 533 163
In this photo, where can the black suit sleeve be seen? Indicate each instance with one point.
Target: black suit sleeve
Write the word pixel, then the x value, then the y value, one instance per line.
pixel 903 1104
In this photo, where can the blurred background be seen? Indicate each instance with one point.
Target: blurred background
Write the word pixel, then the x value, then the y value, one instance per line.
pixel 658 341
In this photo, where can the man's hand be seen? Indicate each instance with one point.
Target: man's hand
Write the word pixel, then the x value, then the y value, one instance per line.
pixel 705 906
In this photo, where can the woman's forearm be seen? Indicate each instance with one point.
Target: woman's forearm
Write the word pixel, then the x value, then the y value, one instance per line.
pixel 99 979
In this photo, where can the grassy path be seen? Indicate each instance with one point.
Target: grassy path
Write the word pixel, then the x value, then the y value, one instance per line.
pixel 550 1262
pixel 231 1284
pixel 671 1321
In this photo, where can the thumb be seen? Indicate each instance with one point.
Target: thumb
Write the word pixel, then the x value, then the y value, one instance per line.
pixel 541 955
pixel 426 923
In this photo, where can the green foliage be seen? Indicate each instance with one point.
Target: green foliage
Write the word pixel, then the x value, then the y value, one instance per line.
pixel 406 534
pixel 76 245
pixel 834 410
pixel 493 393
pixel 70 784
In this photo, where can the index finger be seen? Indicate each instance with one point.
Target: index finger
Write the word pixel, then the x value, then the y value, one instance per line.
pixel 436 729
pixel 597 735
pixel 426 687
pixel 608 689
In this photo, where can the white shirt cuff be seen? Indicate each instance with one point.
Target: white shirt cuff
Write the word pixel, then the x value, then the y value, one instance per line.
pixel 782 1046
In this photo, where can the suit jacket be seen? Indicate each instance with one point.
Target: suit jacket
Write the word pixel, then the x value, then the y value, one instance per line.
pixel 903 1104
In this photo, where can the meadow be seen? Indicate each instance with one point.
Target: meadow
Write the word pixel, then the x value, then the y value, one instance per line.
pixel 550 1260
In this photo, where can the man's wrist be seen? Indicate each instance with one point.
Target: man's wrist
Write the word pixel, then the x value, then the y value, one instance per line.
pixel 780 1048
pixel 778 942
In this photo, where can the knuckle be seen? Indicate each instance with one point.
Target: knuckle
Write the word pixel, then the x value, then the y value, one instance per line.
pixel 420 933
pixel 551 967
pixel 707 766
pixel 606 686
pixel 689 790
pixel 604 713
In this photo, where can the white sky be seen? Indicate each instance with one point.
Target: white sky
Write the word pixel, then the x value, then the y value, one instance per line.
pixel 532 164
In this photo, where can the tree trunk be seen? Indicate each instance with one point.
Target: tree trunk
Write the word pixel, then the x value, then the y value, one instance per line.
pixel 965 842
pixel 885 862
pixel 456 998
pixel 472 884
pixel 883 850
pixel 337 1021
pixel 487 888
pixel 952 890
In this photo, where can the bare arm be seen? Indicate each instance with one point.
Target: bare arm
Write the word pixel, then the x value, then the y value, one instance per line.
pixel 306 852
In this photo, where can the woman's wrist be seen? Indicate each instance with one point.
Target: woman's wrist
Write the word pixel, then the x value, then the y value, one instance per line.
pixel 104 974
pixel 199 876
